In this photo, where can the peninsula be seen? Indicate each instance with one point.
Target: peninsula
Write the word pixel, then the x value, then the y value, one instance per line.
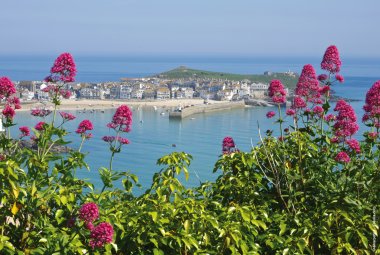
pixel 179 87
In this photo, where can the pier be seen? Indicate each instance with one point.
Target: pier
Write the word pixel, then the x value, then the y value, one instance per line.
pixel 205 108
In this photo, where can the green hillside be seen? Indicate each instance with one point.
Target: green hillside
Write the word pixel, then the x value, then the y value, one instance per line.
pixel 184 72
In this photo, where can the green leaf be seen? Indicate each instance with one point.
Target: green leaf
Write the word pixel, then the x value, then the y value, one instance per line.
pixel 153 215
pixel 157 252
pixel 282 228
pixel 363 238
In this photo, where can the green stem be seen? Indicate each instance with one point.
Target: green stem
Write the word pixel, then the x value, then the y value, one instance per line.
pixel 111 161
pixel 280 119
pixel 81 143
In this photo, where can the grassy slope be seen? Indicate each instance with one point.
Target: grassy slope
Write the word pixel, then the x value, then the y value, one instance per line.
pixel 184 72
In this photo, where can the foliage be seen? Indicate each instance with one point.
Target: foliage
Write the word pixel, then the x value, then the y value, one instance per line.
pixel 183 72
pixel 288 195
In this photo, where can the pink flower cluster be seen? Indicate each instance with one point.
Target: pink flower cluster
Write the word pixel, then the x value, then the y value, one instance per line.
pixel 372 105
pixel 40 112
pixel 290 112
pixel 101 235
pixel 40 126
pixel 67 116
pixel 15 101
pixel 270 114
pixel 122 119
pixel 308 85
pixel 7 88
pixel 331 61
pixel 354 145
pixel 83 127
pixel 318 110
pixel 345 123
pixel 25 131
pixel 228 145
pixel 277 92
pixel 298 103
pixel 63 69
pixel 8 113
pixel 89 212
pixel 51 89
pixel 55 89
pixel 342 157
pixel 111 139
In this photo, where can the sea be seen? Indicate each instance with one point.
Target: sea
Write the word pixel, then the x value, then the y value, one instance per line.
pixel 153 134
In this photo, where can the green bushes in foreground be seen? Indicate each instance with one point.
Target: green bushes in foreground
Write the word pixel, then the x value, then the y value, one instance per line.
pixel 313 190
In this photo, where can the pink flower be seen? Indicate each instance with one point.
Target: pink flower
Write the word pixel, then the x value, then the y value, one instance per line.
pixel 354 145
pixel 324 89
pixel 270 114
pixel 331 61
pixel 63 69
pixel 89 226
pixel 67 116
pixel 334 139
pixel 342 157
pixel 372 135
pixel 277 92
pixel 316 101
pixel 101 235
pixel 308 85
pixel 318 110
pixel 122 119
pixel 345 124
pixel 372 104
pixel 123 140
pixel 65 93
pixel 7 87
pixel 40 112
pixel 322 77
pixel 228 145
pixel 24 131
pixel 290 112
pixel 9 112
pixel 298 103
pixel 330 117
pixel 339 78
pixel 14 101
pixel 108 139
pixel 51 89
pixel 84 126
pixel 40 126
pixel 89 212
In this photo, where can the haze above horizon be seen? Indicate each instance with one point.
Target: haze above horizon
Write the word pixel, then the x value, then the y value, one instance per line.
pixel 229 28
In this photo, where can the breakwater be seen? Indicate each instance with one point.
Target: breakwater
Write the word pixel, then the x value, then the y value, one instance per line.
pixel 205 108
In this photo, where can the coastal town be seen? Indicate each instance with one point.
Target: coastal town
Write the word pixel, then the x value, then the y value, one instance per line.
pixel 153 88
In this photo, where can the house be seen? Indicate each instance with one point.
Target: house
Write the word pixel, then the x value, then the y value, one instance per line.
pixel 225 94
pixel 90 93
pixel 137 93
pixel 163 93
pixel 149 94
pixel 125 92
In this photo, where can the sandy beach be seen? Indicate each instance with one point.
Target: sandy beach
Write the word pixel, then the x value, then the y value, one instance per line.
pixel 97 104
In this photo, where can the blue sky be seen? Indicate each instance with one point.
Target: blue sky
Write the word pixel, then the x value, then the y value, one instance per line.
pixel 197 27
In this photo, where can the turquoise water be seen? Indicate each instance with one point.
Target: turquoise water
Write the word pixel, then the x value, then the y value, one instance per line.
pixel 201 136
